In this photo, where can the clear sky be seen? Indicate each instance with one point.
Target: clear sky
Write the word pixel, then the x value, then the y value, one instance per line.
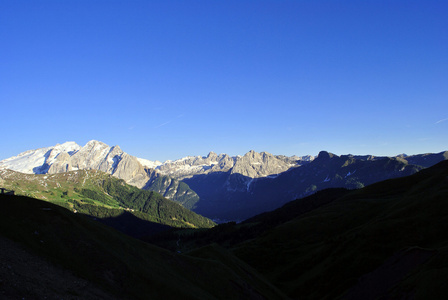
pixel 167 79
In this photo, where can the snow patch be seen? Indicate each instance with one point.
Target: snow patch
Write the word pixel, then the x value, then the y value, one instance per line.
pixel 272 176
pixel 249 183
pixel 350 173
pixel 149 163
pixel 33 161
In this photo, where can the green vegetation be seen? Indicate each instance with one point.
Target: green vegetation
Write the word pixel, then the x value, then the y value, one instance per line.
pixel 96 196
pixel 179 191
pixel 159 209
pixel 100 195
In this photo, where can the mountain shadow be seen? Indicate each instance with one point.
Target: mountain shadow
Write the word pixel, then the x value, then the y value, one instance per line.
pixel 386 237
pixel 133 226
pixel 45 167
pixel 226 197
pixel 114 263
pixel 388 240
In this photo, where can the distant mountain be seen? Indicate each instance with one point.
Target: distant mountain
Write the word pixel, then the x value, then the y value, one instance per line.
pixel 134 211
pixel 96 155
pixel 222 187
pixel 38 161
pixel 164 178
pixel 222 171
pixel 252 164
pixel 388 240
pixel 233 196
pixel 425 160
pixel 69 156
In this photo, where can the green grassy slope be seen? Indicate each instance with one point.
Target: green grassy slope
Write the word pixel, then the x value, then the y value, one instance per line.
pixel 174 189
pixel 102 196
pixel 124 267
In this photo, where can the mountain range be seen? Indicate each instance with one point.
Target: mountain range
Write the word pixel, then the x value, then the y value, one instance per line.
pixel 222 187
pixel 387 240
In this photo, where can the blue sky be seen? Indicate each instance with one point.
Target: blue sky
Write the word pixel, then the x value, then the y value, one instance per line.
pixel 167 79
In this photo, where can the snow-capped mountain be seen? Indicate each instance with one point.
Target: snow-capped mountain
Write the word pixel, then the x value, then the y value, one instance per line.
pixel 164 178
pixel 70 156
pixel 97 155
pixel 222 186
pixel 38 161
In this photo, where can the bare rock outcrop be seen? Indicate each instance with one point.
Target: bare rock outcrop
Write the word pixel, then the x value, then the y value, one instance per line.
pixel 255 165
pixel 96 155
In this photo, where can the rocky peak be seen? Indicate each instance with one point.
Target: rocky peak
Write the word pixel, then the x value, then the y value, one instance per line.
pixel 254 165
pixel 212 155
pixel 93 146
pixel 95 142
pixel 116 148
pixel 251 154
pixel 61 164
pixel 324 155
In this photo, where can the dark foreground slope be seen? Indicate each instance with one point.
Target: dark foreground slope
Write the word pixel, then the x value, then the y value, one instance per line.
pixel 388 240
pixel 50 252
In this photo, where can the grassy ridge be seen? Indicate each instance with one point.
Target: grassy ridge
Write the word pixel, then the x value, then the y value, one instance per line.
pixel 102 196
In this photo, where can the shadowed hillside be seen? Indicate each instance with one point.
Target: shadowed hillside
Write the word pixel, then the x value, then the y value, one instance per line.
pixel 388 240
pixel 109 263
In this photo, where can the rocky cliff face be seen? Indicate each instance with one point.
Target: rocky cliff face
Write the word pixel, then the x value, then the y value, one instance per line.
pixel 239 171
pixel 197 165
pixel 171 188
pixel 96 155
pixel 255 165
pixel 252 164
